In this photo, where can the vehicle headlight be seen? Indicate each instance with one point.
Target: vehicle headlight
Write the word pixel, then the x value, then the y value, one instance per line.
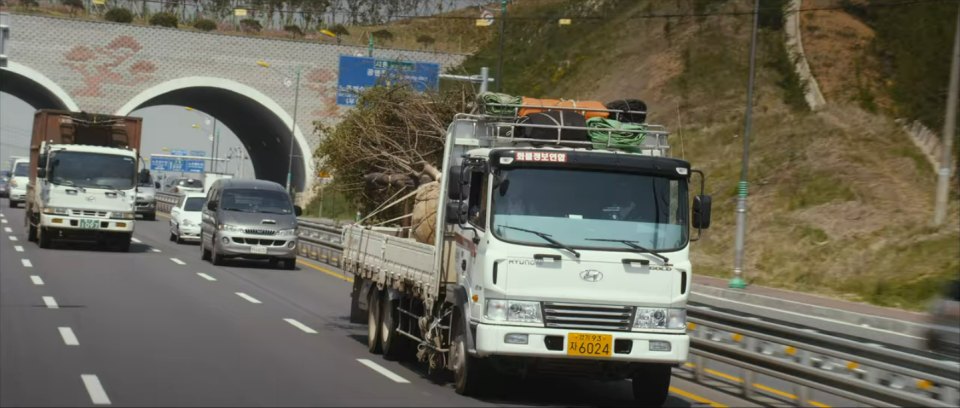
pixel 230 228
pixel 56 211
pixel 287 232
pixel 513 311
pixel 660 318
pixel 123 215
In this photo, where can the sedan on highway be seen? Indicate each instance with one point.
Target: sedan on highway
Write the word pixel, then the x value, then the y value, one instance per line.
pixel 185 218
pixel 5 184
pixel 184 185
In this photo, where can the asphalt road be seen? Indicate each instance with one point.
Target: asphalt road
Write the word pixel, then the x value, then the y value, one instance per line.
pixel 159 327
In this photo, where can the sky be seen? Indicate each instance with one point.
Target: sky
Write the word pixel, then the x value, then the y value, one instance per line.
pixel 166 126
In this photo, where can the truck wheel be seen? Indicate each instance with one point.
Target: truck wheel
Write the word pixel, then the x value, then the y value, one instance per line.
pixel 204 253
pixel 469 373
pixel 150 217
pixel 393 344
pixel 373 322
pixel 122 244
pixel 43 238
pixel 651 384
pixel 356 314
pixel 215 258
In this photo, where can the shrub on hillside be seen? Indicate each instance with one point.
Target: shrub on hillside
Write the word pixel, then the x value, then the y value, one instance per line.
pixel 293 29
pixel 118 15
pixel 74 5
pixel 425 40
pixel 250 25
pixel 164 19
pixel 205 24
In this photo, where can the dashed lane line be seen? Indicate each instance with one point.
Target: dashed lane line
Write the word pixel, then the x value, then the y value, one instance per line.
pixel 3 221
pixel 177 261
pixel 69 338
pixel 248 298
pixel 50 302
pixel 97 394
pixel 12 237
pixel 383 370
pixel 26 263
pixel 154 250
pixel 207 277
pixel 18 248
pixel 7 229
pixel 300 326
pixel 136 241
pixel 36 280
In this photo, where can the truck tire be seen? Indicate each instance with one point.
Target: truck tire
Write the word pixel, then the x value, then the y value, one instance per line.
pixel 122 244
pixel 373 322
pixel 469 373
pixel 356 314
pixel 651 385
pixel 43 238
pixel 150 217
pixel 393 344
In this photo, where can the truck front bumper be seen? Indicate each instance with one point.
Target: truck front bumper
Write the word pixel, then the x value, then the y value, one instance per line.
pixel 627 347
pixel 73 223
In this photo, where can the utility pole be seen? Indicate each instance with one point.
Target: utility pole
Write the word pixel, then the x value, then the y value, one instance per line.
pixel 737 281
pixel 503 17
pixel 293 136
pixel 949 132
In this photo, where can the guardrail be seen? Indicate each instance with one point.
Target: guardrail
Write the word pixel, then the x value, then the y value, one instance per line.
pixel 166 201
pixel 859 371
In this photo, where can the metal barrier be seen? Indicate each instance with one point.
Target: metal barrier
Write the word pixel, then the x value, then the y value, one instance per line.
pixel 860 371
pixel 166 201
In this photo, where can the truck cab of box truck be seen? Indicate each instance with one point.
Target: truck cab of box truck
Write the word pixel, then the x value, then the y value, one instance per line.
pixel 571 260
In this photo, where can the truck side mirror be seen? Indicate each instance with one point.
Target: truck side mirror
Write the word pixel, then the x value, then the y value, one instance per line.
pixel 212 205
pixel 41 173
pixel 455 190
pixel 701 211
pixel 456 212
pixel 297 210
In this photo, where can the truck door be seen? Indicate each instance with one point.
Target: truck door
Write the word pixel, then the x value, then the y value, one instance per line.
pixel 472 240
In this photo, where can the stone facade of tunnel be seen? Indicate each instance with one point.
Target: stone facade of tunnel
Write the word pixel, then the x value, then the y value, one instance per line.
pixel 103 65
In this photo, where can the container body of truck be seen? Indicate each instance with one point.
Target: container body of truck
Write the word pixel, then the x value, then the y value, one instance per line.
pixel 550 257
pixel 83 178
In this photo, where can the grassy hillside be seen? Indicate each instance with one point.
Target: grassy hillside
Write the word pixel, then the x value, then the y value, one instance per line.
pixel 840 200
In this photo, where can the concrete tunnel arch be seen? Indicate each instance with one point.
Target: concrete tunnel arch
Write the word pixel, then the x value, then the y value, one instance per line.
pixel 34 88
pixel 262 126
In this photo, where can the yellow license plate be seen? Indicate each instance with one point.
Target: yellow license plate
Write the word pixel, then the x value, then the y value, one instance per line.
pixel 589 345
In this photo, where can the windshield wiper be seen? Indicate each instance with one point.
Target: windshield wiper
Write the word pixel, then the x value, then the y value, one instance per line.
pixel 236 209
pixel 546 237
pixel 634 245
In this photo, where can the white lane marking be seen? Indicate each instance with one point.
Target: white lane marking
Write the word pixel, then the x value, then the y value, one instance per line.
pixel 207 277
pixel 95 389
pixel 18 248
pixel 249 298
pixel 50 302
pixel 13 238
pixel 383 370
pixel 136 241
pixel 7 229
pixel 3 221
pixel 69 338
pixel 300 326
pixel 26 263
pixel 36 280
pixel 154 250
pixel 177 261
pixel 2 215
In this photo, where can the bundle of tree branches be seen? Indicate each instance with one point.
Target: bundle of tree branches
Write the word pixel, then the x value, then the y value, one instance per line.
pixel 389 145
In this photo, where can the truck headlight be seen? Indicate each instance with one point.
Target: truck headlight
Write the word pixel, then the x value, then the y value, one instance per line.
pixel 660 318
pixel 56 211
pixel 287 232
pixel 123 215
pixel 513 311
pixel 230 228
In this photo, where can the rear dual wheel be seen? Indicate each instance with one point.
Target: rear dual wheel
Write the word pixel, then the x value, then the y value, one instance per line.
pixel 373 321
pixel 395 345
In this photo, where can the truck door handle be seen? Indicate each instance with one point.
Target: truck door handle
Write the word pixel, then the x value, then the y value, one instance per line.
pixel 541 257
pixel 642 262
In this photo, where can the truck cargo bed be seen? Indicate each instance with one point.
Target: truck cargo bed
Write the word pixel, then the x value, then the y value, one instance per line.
pixel 390 260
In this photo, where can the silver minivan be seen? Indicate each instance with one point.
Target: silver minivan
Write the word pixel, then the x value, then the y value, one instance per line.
pixel 252 219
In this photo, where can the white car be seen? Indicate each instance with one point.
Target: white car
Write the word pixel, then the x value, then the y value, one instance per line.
pixel 185 218
pixel 18 182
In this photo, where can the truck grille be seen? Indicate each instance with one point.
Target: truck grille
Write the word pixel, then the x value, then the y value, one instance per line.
pixel 581 316
pixel 89 213
pixel 260 232
pixel 255 241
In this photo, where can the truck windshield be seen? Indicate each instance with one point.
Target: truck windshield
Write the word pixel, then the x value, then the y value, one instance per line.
pixel 576 206
pixel 21 170
pixel 257 201
pixel 92 170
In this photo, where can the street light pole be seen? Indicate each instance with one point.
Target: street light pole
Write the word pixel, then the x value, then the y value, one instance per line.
pixel 503 17
pixel 949 132
pixel 293 137
pixel 737 281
